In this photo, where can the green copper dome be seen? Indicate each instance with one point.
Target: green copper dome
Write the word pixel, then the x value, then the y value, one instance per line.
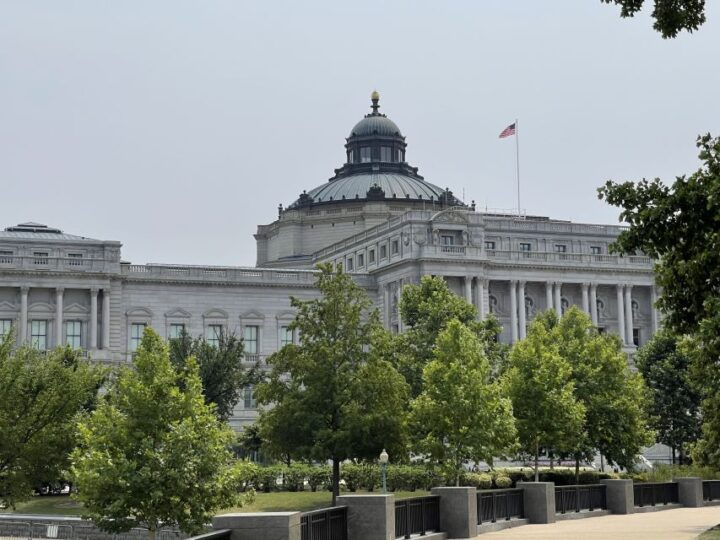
pixel 375 125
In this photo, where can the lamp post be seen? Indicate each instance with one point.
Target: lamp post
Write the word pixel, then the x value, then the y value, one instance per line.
pixel 383 464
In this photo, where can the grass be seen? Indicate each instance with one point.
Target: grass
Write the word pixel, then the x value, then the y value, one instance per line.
pixel 711 534
pixel 63 505
pixel 665 473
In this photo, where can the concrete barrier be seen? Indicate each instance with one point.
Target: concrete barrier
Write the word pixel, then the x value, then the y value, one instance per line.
pixel 619 496
pixel 690 491
pixel 260 525
pixel 370 517
pixel 458 511
pixel 539 501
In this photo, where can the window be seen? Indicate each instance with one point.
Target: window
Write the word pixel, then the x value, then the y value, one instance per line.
pixel 395 247
pixel 251 339
pixel 371 256
pixel 596 250
pixel 636 337
pixel 489 244
pixel 75 259
pixel 601 330
pixel 361 260
pixel 41 257
pixel 136 334
pixel 385 153
pixel 213 333
pixel 73 334
pixel 38 334
pixel 564 305
pixel 287 336
pixel 351 156
pixel 525 246
pixel 492 304
pixel 399 156
pixel 365 154
pixel 447 240
pixel 349 263
pixel 249 400
pixel 5 327
pixel 383 252
pixel 560 248
pixel 176 330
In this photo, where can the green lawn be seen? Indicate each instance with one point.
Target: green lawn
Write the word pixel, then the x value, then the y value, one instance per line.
pixel 711 534
pixel 63 505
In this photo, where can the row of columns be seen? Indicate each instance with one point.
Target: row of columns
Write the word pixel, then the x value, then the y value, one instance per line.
pixel 59 300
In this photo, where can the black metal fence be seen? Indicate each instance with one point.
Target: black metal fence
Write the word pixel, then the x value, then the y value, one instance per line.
pixel 654 493
pixel 580 497
pixel 417 515
pixel 711 490
pixel 324 524
pixel 495 504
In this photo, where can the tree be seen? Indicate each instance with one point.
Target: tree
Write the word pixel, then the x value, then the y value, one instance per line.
pixel 613 397
pixel 671 16
pixel 42 395
pixel 223 370
pixel 539 383
pixel 153 454
pixel 461 413
pixel 334 396
pixel 679 226
pixel 674 402
pixel 426 309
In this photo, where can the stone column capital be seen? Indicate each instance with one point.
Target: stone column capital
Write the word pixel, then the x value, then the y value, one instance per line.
pixel 585 285
pixel 522 282
pixel 59 290
pixel 24 289
pixel 514 281
pixel 94 290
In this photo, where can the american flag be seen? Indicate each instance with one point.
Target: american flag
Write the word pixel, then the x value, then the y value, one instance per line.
pixel 510 130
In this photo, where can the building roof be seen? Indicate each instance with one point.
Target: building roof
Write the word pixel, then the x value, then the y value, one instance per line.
pixel 39 231
pixel 375 124
pixel 394 186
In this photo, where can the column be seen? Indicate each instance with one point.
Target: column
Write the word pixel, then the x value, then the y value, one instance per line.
pixel 593 304
pixel 548 295
pixel 628 315
pixel 93 318
pixel 397 307
pixel 653 309
pixel 558 298
pixel 513 311
pixel 586 298
pixel 468 289
pixel 106 318
pixel 481 285
pixel 23 314
pixel 59 315
pixel 521 309
pixel 621 313
pixel 386 305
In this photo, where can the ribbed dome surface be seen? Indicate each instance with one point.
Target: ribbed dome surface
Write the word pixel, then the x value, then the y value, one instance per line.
pixel 375 125
pixel 394 185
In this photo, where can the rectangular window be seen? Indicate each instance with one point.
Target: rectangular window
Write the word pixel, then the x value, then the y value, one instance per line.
pixel 41 257
pixel 287 336
pixel 365 154
pixel 371 256
pixel 636 337
pixel 351 156
pixel 73 334
pixel 385 153
pixel 489 244
pixel 249 401
pixel 361 260
pixel 399 156
pixel 525 246
pixel 601 329
pixel 448 240
pixel 349 263
pixel 250 337
pixel 383 252
pixel 136 334
pixel 213 333
pixel 596 250
pixel 5 327
pixel 560 248
pixel 75 259
pixel 176 330
pixel 395 247
pixel 38 334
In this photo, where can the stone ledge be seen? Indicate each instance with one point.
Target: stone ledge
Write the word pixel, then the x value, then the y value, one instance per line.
pixel 658 508
pixel 581 515
pixel 712 503
pixel 500 525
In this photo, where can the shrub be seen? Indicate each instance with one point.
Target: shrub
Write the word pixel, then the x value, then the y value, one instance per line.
pixel 247 475
pixel 266 478
pixel 503 482
pixel 351 474
pixel 479 480
pixel 318 476
pixel 369 476
pixel 416 477
pixel 295 476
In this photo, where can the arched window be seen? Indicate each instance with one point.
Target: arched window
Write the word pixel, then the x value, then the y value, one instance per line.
pixel 492 304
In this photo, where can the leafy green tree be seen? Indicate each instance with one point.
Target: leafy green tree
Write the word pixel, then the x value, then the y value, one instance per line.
pixel 461 413
pixel 539 383
pixel 674 402
pixel 426 309
pixel 614 398
pixel 223 370
pixel 671 16
pixel 153 454
pixel 334 397
pixel 42 395
pixel 679 226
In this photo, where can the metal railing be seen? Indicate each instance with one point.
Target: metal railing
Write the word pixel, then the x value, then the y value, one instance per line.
pixel 654 493
pixel 324 524
pixel 580 497
pixel 494 504
pixel 417 515
pixel 711 490
pixel 11 529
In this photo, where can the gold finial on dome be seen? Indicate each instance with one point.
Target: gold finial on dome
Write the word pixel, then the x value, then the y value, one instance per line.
pixel 375 97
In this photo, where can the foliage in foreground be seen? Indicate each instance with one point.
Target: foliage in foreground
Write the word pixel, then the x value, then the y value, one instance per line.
pixel 671 16
pixel 41 395
pixel 153 454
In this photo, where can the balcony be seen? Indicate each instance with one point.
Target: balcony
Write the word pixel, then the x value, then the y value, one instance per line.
pixel 579 259
pixel 34 262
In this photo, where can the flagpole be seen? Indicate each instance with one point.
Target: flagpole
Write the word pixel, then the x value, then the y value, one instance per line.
pixel 517 161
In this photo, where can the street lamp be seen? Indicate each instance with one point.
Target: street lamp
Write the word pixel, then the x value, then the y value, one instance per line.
pixel 383 464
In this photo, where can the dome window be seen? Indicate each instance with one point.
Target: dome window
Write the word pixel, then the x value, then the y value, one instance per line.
pixel 385 153
pixel 351 156
pixel 365 154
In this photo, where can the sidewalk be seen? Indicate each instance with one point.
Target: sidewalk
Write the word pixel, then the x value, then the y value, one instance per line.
pixel 682 523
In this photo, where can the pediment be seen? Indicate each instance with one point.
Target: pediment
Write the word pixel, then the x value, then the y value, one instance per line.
pixel 177 313
pixel 139 312
pixel 252 314
pixel 450 216
pixel 41 307
pixel 286 315
pixel 215 313
pixel 76 308
pixel 7 306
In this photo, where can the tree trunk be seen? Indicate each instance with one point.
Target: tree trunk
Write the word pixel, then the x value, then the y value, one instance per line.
pixel 577 469
pixel 602 463
pixel 552 462
pixel 151 533
pixel 673 455
pixel 537 459
pixel 335 479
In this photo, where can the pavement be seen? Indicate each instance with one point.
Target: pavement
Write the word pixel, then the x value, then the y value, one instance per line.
pixel 680 523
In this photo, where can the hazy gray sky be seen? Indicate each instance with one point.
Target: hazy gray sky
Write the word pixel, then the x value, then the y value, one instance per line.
pixel 177 126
